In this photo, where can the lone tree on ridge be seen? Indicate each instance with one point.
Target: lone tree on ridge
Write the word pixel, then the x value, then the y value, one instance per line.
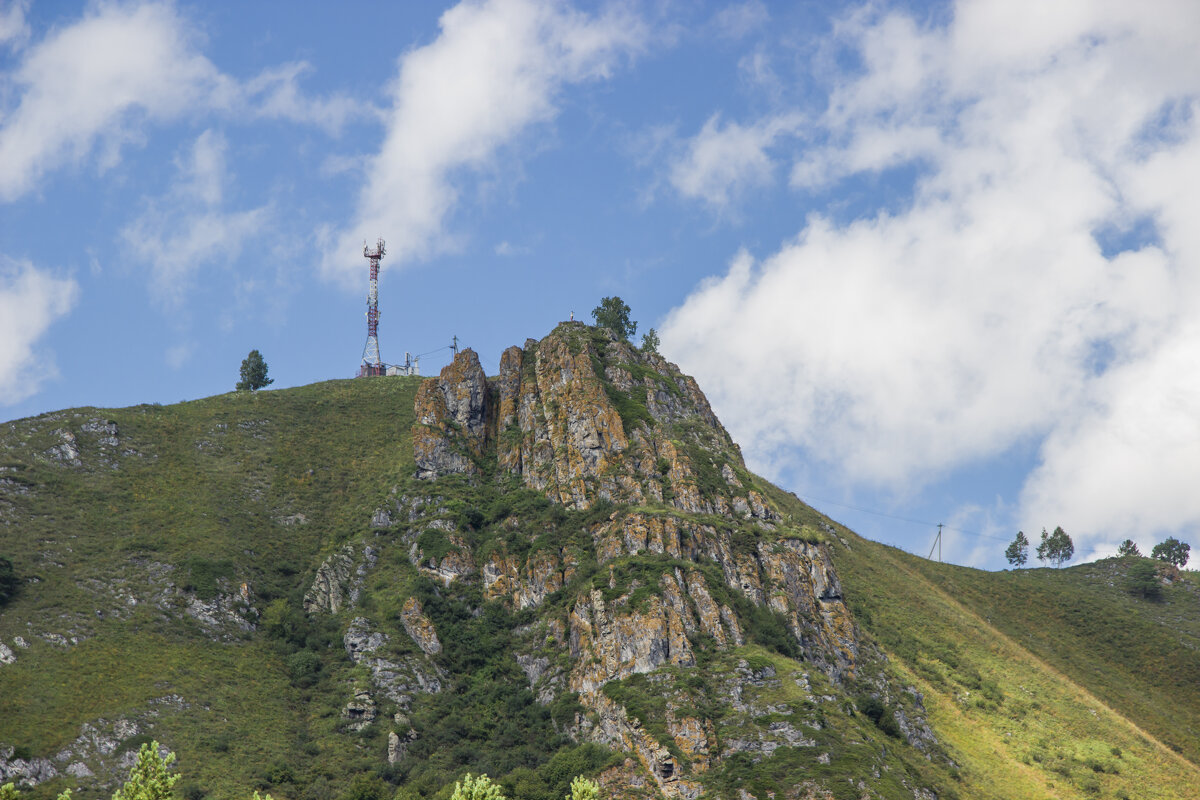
pixel 1018 551
pixel 613 313
pixel 1128 548
pixel 650 341
pixel 254 373
pixel 1057 547
pixel 1172 551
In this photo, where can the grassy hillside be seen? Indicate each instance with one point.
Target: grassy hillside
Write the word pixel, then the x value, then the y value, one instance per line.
pixel 235 488
pixel 1039 683
pixel 1042 683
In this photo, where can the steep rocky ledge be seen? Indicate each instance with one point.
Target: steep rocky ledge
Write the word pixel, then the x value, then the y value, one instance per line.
pixel 585 418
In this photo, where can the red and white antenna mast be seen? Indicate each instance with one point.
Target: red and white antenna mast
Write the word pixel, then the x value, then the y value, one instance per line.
pixel 371 363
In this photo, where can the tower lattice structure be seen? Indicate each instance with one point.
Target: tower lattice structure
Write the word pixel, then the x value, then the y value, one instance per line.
pixel 372 363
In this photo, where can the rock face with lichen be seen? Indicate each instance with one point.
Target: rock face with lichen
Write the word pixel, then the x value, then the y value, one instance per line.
pixel 584 417
pixel 688 550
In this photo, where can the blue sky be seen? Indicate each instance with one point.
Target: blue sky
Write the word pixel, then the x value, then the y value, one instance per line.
pixel 930 262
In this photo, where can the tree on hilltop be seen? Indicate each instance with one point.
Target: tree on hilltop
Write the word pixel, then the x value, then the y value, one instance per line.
pixel 1172 551
pixel 650 341
pixel 1128 548
pixel 1018 551
pixel 613 313
pixel 254 373
pixel 1057 547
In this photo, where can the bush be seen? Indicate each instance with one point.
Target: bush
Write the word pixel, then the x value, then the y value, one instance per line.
pixel 1142 580
pixel 8 580
pixel 873 709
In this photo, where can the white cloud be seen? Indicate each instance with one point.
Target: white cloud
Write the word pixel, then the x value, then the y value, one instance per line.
pixel 92 85
pixel 740 19
pixel 984 314
pixel 188 229
pixel 721 162
pixel 496 69
pixel 14 31
pixel 30 301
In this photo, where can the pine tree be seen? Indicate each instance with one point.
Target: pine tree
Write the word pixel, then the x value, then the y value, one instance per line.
pixel 150 777
pixel 1128 548
pixel 254 373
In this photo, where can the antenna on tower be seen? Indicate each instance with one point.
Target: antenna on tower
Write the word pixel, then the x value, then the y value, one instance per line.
pixel 372 364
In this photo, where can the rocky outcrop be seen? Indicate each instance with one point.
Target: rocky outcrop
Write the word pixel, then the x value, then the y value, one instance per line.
pixel 794 577
pixel 228 615
pixel 398 678
pixel 330 588
pixel 611 643
pixel 451 423
pixel 455 563
pixel 419 627
pixel 98 754
pixel 339 580
pixel 24 771
pixel 544 572
pixel 581 416
pixel 360 711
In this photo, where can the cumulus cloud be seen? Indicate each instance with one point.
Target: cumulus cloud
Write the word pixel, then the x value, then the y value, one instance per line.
pixel 997 307
pixel 721 162
pixel 30 301
pixel 91 86
pixel 496 68
pixel 188 228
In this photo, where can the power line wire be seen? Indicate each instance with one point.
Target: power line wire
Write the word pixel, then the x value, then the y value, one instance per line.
pixel 811 500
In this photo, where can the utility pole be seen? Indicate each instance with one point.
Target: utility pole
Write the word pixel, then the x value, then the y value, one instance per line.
pixel 937 542
pixel 454 346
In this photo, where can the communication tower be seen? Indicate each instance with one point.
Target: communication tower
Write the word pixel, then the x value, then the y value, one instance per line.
pixel 372 365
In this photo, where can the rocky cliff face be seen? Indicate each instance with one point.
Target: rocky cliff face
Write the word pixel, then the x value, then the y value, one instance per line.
pixel 585 419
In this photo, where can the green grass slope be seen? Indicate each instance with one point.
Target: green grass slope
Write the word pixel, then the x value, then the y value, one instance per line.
pixel 234 488
pixel 1040 683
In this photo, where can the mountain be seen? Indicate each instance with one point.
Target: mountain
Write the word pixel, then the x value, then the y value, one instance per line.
pixel 364 589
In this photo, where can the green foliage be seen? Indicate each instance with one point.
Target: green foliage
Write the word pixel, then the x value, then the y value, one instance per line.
pixel 202 576
pixel 1018 551
pixel 8 580
pixel 1142 580
pixel 1128 548
pixel 613 313
pixel 1057 547
pixel 9 791
pixel 1172 551
pixel 253 373
pixel 584 789
pixel 479 788
pixel 883 717
pixel 650 341
pixel 366 786
pixel 150 778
